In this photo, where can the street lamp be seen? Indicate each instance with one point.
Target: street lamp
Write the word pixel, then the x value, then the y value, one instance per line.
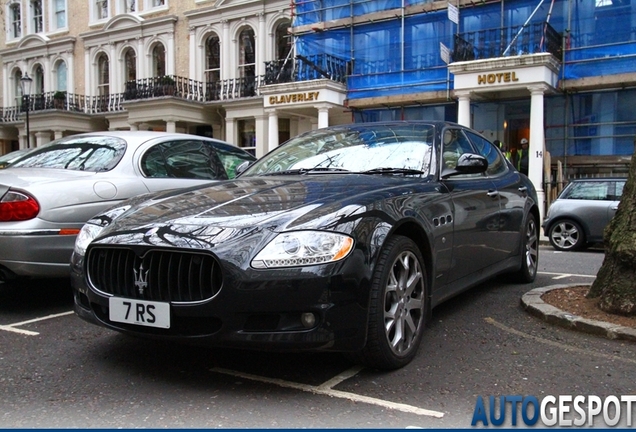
pixel 25 83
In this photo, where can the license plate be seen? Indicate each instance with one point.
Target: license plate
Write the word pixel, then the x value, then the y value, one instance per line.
pixel 139 312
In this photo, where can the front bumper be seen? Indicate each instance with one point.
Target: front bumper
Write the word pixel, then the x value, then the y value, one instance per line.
pixel 259 310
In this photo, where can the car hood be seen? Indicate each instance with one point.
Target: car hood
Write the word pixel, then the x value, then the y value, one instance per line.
pixel 332 202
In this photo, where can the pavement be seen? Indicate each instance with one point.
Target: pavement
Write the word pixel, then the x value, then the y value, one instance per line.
pixel 533 304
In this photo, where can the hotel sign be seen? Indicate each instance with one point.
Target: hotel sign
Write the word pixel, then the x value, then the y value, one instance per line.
pixel 293 98
pixel 497 78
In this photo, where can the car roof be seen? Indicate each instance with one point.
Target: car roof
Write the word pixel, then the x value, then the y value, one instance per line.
pixel 142 136
pixel 594 179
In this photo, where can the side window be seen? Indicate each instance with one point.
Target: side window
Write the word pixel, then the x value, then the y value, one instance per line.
pixel 620 185
pixel 191 159
pixel 590 191
pixel 454 144
pixel 231 158
pixel 496 162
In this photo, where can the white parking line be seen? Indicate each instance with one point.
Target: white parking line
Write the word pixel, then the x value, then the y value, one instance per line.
pixel 326 389
pixel 565 275
pixel 12 327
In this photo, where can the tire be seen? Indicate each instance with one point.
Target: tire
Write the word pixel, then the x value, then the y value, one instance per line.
pixel 398 307
pixel 529 252
pixel 566 235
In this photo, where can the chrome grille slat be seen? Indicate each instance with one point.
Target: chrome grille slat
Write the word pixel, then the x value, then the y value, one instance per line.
pixel 176 276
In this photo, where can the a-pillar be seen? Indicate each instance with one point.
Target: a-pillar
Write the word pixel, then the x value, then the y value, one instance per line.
pixel 463 108
pixel 272 141
pixel 323 116
pixel 42 138
pixel 537 144
pixel 171 126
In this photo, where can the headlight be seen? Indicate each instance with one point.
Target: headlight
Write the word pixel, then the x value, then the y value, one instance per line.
pixel 85 236
pixel 302 248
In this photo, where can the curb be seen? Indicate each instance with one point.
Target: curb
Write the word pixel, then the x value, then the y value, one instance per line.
pixel 534 305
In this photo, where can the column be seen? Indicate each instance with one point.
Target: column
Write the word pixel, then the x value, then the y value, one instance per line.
pixel 463 108
pixel 57 134
pixel 134 126
pixel 226 67
pixel 323 116
pixel 272 142
pixel 194 72
pixel 230 131
pixel 537 144
pixel 261 134
pixel 42 138
pixel 171 126
pixel 261 39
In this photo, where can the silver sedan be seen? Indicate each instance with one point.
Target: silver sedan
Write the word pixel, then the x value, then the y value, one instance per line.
pixel 47 196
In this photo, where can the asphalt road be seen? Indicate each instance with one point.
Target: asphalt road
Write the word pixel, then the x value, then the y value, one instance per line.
pixel 58 371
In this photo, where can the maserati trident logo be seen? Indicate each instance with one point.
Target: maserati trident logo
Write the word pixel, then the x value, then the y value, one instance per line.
pixel 141 279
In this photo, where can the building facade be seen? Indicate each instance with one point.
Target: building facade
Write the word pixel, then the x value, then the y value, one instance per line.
pixel 559 73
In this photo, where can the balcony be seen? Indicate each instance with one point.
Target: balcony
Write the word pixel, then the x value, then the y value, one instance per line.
pixel 306 68
pixel 137 90
pixel 507 42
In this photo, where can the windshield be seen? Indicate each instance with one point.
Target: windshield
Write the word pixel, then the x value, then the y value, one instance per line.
pixel 87 153
pixel 353 148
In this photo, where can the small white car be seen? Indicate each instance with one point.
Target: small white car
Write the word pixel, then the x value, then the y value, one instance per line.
pixel 48 195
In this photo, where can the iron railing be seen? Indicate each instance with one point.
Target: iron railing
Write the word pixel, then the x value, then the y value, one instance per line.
pixel 148 88
pixel 306 68
pixel 507 41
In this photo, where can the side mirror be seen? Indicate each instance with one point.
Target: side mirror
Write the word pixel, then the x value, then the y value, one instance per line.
pixel 242 167
pixel 467 163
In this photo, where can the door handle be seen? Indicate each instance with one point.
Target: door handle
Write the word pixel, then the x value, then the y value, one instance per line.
pixel 492 193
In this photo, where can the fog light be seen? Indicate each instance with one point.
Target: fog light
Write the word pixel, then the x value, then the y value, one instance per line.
pixel 308 319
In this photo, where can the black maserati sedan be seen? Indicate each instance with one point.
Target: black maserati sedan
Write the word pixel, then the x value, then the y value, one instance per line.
pixel 343 238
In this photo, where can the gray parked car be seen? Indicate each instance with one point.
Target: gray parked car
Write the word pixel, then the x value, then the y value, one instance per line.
pixel 47 195
pixel 581 212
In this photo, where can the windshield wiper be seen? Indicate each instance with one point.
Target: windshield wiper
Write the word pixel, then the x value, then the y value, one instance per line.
pixel 304 171
pixel 388 170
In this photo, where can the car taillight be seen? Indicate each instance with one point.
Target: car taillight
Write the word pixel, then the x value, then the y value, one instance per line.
pixel 18 206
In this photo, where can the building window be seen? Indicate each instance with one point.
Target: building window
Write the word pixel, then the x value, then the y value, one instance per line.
pixel 36 16
pixel 61 77
pixel 247 53
pixel 152 4
pixel 213 59
pixel 58 9
pixel 100 10
pixel 283 40
pixel 128 6
pixel 159 60
pixel 130 65
pixel 15 21
pixel 103 75
pixel 247 135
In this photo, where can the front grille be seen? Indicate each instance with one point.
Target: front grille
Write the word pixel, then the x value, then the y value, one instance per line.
pixel 156 275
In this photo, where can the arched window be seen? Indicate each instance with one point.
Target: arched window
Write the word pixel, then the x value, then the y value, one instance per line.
pixel 103 75
pixel 212 59
pixel 38 81
pixel 62 73
pixel 283 40
pixel 17 89
pixel 247 53
pixel 159 60
pixel 130 65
